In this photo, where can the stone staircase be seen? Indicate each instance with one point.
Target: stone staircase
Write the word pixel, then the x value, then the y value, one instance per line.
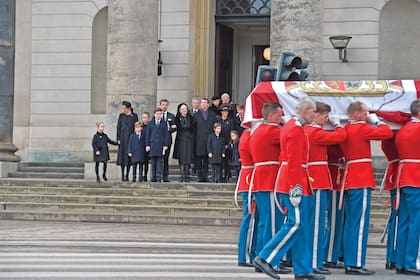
pixel 35 193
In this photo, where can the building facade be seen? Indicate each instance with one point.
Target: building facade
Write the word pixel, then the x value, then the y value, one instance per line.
pixel 75 61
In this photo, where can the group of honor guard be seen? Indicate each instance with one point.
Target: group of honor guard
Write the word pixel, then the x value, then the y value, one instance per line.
pixel 307 191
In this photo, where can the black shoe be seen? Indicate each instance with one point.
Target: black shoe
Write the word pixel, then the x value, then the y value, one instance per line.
pixel 322 270
pixel 265 267
pixel 246 264
pixel 201 180
pixel 181 179
pixel 123 178
pixel 98 180
pixel 390 266
pixel 186 179
pixel 104 177
pixel 286 264
pixel 165 179
pixel 309 276
pixel 134 180
pixel 154 180
pixel 335 265
pixel 282 270
pixel 341 259
pixel 144 178
pixel 408 271
pixel 126 178
pixel 358 271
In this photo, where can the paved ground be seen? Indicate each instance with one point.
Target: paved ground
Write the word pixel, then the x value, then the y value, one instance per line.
pixel 49 250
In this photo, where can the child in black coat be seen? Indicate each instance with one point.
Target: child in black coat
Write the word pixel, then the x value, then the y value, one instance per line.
pixel 233 154
pixel 137 150
pixel 100 150
pixel 215 151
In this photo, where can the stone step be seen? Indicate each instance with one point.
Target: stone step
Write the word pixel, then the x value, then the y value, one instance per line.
pixel 51 169
pixel 46 175
pixel 52 164
pixel 125 209
pixel 116 200
pixel 119 218
pixel 132 192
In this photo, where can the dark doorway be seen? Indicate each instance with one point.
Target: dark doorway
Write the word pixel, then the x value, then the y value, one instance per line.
pixel 223 60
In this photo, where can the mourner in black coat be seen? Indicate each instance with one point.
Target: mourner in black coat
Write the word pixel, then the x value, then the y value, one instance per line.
pixel 183 150
pixel 203 126
pixel 100 150
pixel 169 118
pixel 125 128
pixel 137 151
pixel 227 126
pixel 145 118
pixel 157 142
pixel 215 149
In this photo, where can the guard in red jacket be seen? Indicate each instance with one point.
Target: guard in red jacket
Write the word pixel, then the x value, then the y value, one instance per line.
pixel 247 230
pixel 319 139
pixel 295 189
pixel 265 151
pixel 335 221
pixel 389 184
pixel 408 184
pixel 358 183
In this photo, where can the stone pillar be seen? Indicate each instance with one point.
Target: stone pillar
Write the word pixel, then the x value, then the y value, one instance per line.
pixel 132 57
pixel 297 26
pixel 7 56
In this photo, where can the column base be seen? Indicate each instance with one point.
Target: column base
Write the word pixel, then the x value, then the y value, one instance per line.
pixel 7 167
pixel 7 153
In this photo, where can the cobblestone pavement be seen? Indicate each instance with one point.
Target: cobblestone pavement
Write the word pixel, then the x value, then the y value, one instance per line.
pixel 52 250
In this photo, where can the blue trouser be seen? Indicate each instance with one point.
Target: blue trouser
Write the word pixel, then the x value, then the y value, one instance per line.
pixel 356 226
pixel 247 234
pixel 156 168
pixel 291 236
pixel 392 231
pixel 316 226
pixel 334 234
pixel 408 249
pixel 269 218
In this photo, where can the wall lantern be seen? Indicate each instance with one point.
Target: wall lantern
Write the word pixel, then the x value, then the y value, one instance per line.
pixel 340 43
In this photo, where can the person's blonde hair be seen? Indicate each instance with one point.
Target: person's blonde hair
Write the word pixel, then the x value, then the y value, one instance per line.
pixel 99 123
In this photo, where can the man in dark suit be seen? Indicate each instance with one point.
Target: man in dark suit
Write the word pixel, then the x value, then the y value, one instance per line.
pixel 169 119
pixel 157 143
pixel 203 126
pixel 195 107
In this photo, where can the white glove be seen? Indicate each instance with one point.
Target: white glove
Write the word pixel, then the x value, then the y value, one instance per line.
pixel 335 120
pixel 373 119
pixel 295 195
pixel 285 119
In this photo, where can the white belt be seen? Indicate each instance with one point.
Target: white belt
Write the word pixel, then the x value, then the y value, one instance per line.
pixel 312 163
pixel 343 182
pixel 247 166
pixel 303 165
pixel 410 160
pixel 394 161
pixel 261 163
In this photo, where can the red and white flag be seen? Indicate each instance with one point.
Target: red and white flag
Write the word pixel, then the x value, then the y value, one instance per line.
pixel 389 99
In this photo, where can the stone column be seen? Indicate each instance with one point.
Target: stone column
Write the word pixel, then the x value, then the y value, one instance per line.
pixel 297 26
pixel 7 56
pixel 132 56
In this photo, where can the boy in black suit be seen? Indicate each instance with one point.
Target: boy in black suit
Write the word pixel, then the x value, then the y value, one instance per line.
pixel 215 149
pixel 157 143
pixel 137 150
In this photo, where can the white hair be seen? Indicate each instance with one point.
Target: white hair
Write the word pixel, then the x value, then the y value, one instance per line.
pixel 305 102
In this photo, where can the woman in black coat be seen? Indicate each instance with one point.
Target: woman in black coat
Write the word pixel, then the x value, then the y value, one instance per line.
pixel 125 128
pixel 184 142
pixel 100 150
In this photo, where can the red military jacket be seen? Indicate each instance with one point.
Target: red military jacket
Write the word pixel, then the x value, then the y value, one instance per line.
pixel 265 148
pixel 319 139
pixel 357 147
pixel 336 165
pixel 408 143
pixel 246 162
pixel 294 154
pixel 391 153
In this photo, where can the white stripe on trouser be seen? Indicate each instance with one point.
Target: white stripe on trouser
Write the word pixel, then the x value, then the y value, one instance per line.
pixel 287 236
pixel 418 256
pixel 249 237
pixel 316 229
pixel 332 225
pixel 361 229
pixel 273 214
pixel 396 232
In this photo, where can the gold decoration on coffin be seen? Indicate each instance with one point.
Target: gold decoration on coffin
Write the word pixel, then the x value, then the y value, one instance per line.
pixel 345 88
